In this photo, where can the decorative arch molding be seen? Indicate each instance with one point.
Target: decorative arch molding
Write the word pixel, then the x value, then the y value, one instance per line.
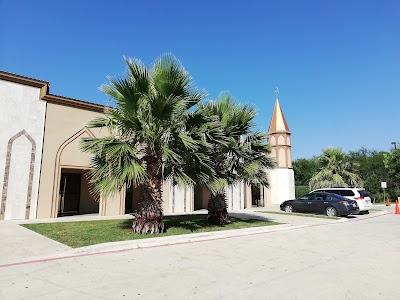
pixel 57 167
pixel 272 140
pixel 282 158
pixel 273 154
pixel 7 173
pixel 281 140
pixel 289 158
pixel 288 141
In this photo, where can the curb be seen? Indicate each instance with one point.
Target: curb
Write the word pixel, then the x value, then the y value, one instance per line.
pixel 131 245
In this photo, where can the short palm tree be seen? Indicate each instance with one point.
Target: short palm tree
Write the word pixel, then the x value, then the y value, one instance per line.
pixel 243 156
pixel 154 135
pixel 336 170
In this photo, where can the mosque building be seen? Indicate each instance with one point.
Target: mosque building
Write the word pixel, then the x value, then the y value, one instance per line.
pixel 44 174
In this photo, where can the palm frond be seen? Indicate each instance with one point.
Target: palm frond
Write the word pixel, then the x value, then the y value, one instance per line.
pixel 114 164
pixel 336 170
pixel 242 154
pixel 152 131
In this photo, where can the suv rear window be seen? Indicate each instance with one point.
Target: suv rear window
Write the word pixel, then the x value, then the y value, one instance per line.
pixel 346 193
pixel 333 192
pixel 340 192
pixel 363 193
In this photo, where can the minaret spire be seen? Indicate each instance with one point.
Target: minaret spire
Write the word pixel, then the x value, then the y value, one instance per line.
pixel 278 121
pixel 279 139
pixel 279 136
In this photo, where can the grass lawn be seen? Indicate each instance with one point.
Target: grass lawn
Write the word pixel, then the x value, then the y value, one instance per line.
pixel 80 234
pixel 299 215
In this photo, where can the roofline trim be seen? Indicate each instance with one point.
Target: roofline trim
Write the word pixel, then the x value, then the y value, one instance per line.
pixel 22 79
pixel 44 92
pixel 43 85
pixel 74 103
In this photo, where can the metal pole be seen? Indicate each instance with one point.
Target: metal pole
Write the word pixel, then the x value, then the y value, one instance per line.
pixel 384 198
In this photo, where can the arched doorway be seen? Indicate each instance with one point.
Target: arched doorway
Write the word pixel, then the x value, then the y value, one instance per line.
pixel 72 182
pixel 75 195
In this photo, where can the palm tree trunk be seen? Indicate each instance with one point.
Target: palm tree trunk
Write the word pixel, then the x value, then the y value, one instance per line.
pixel 217 209
pixel 149 215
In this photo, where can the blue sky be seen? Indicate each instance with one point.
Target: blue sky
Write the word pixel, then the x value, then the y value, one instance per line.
pixel 336 63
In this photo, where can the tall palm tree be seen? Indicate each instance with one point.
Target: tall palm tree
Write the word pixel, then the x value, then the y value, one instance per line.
pixel 243 156
pixel 337 170
pixel 154 135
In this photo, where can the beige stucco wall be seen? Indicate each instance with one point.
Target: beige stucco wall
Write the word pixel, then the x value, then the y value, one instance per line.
pixel 64 128
pixel 165 195
pixel 72 155
pixel 247 196
pixel 114 205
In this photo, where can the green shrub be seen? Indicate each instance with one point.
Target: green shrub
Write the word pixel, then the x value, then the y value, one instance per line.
pixel 301 190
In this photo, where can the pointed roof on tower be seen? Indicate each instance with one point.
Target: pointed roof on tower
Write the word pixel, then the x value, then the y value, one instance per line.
pixel 278 121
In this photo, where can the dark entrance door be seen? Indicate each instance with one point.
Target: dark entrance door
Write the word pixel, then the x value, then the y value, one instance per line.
pixel 70 194
pixel 256 196
pixel 128 200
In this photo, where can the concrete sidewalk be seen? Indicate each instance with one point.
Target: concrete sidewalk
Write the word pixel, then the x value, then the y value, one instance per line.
pixel 22 245
pixel 19 243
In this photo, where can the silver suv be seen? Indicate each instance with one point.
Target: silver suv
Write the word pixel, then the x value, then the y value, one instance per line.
pixel 358 194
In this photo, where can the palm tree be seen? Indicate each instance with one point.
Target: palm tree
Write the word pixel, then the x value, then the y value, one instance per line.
pixel 336 170
pixel 243 156
pixel 154 135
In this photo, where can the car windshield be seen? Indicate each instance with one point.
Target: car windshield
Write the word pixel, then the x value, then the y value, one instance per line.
pixel 363 193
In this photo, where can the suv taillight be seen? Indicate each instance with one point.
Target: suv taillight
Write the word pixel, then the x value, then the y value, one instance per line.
pixel 359 198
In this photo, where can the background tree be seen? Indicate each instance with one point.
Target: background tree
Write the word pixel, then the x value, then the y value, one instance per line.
pixel 304 169
pixel 371 169
pixel 336 170
pixel 369 162
pixel 392 162
pixel 243 156
pixel 370 165
pixel 154 135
